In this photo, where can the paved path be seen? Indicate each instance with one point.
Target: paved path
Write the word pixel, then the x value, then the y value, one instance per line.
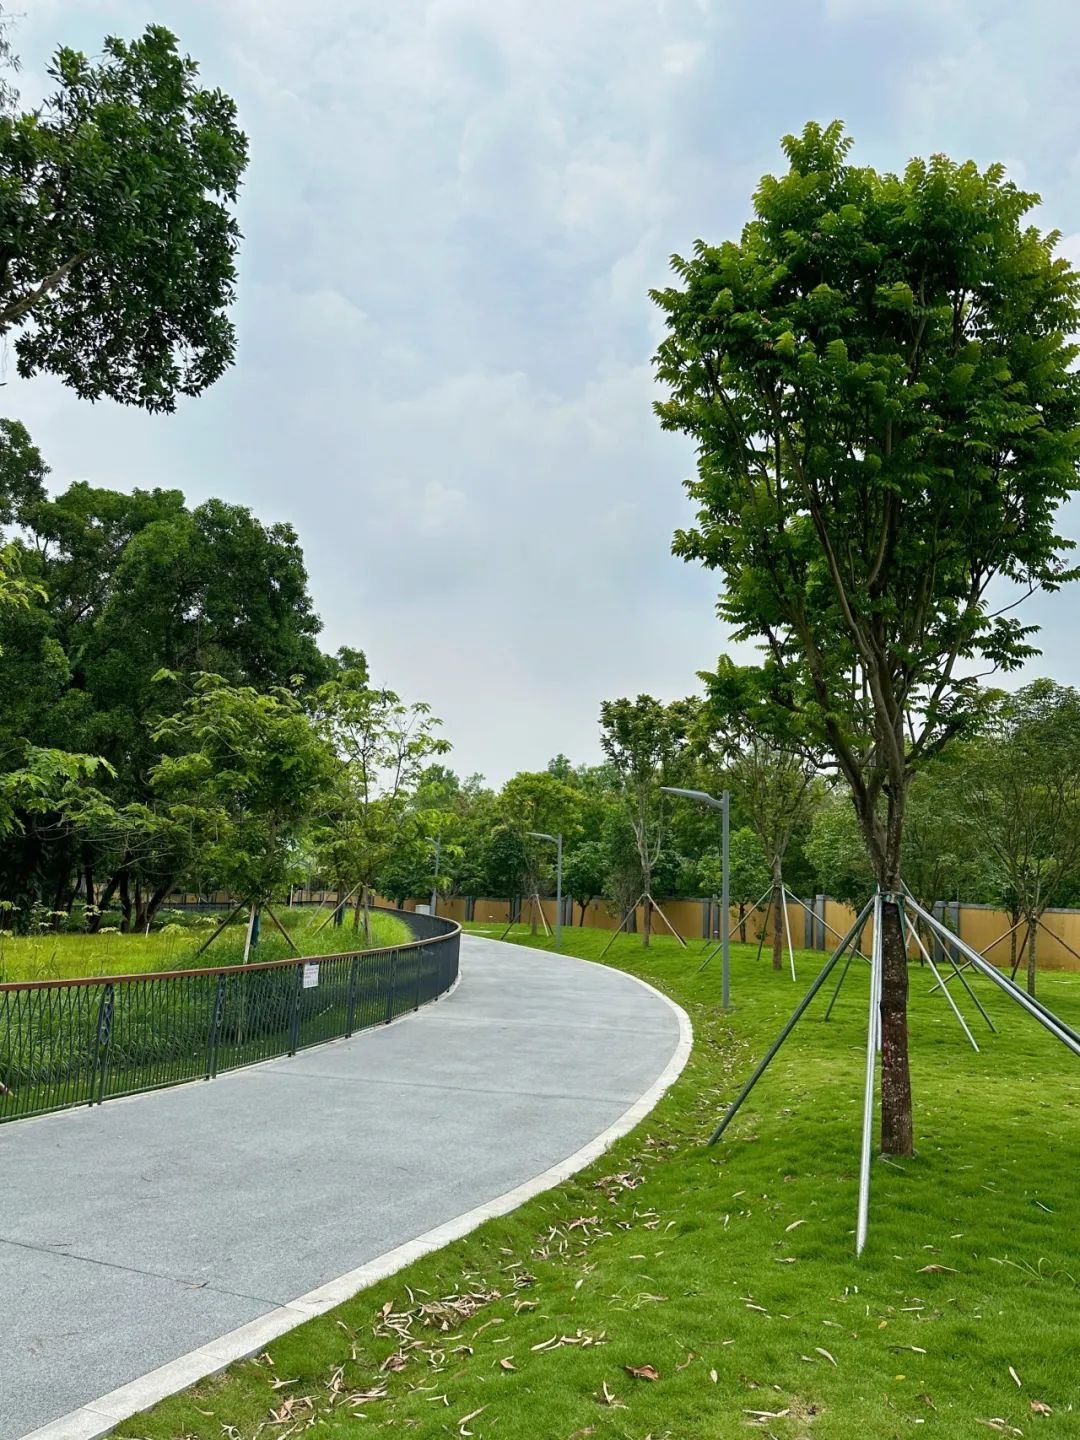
pixel 138 1231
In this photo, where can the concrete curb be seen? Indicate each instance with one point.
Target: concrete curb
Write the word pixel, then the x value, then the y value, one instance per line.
pixel 96 1419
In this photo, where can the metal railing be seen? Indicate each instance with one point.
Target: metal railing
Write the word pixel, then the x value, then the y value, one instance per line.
pixel 81 1042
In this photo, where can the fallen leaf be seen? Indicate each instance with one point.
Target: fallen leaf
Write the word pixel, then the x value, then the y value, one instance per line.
pixel 1016 1377
pixel 689 1359
pixel 606 1397
pixel 642 1372
pixel 506 1363
pixel 942 1270
pixel 1040 1408
pixel 793 1226
pixel 463 1422
pixel 828 1357
pixel 581 1434
pixel 713 1376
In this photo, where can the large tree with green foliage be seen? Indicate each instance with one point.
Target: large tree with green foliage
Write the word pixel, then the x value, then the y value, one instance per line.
pixel 368 819
pixel 243 772
pixel 878 378
pixel 115 588
pixel 117 263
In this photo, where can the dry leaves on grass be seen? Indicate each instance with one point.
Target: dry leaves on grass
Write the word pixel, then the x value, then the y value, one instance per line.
pixel 642 1372
pixel 1041 1408
pixel 607 1397
pixel 463 1423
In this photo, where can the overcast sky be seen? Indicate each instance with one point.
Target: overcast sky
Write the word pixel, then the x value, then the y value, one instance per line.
pixel 453 213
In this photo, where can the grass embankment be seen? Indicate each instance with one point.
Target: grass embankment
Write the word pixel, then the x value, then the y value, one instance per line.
pixel 684 1293
pixel 65 955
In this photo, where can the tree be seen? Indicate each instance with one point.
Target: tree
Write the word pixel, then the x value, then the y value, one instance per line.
pixel 118 259
pixel 773 782
pixel 878 379
pixel 369 821
pixel 645 743
pixel 243 776
pixel 837 852
pixel 116 588
pixel 749 871
pixel 1025 800
pixel 584 873
pixel 538 801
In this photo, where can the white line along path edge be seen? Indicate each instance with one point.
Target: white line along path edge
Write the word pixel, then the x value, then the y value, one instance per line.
pixel 91 1421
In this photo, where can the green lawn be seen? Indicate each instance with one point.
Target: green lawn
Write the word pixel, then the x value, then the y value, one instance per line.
pixel 731 1271
pixel 62 956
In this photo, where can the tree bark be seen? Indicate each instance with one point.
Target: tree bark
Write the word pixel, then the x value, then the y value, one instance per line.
pixel 1033 931
pixel 896 1121
pixel 883 841
pixel 742 921
pixel 646 922
pixel 125 903
pixel 778 916
pixel 151 905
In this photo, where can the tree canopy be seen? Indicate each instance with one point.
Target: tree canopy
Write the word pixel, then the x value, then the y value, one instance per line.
pixel 117 267
pixel 878 377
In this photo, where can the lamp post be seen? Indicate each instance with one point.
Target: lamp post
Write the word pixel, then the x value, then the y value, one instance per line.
pixel 556 840
pixel 724 806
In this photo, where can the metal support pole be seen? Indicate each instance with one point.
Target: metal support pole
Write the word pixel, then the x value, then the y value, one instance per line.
pixel 787 927
pixel 907 928
pixel 1046 1017
pixel 843 976
pixel 558 892
pixel 217 1014
pixel 872 1029
pixel 796 1016
pixel 725 901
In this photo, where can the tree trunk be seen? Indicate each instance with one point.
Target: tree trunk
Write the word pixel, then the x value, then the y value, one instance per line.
pixel 883 843
pixel 583 904
pixel 1033 931
pixel 90 921
pixel 778 916
pixel 742 921
pixel 367 917
pixel 896 1121
pixel 646 922
pixel 125 903
pixel 152 905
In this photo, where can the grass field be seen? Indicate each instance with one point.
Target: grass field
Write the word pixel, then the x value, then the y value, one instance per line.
pixel 65 955
pixel 678 1292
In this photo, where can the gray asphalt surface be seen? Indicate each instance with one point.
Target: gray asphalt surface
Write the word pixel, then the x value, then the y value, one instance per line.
pixel 141 1229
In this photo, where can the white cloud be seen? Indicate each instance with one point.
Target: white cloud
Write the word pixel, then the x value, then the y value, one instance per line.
pixel 454 211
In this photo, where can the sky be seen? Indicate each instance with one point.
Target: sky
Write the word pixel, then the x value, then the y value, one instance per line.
pixel 453 214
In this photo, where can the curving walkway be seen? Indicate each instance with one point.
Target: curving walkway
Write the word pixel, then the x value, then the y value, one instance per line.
pixel 189 1220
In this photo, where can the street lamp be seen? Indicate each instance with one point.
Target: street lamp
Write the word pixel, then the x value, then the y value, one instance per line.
pixel 724 806
pixel 556 840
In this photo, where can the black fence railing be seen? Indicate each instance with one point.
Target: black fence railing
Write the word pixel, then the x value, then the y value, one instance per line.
pixel 80 1042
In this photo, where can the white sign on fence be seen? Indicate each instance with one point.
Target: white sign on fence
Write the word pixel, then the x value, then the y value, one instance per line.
pixel 311 975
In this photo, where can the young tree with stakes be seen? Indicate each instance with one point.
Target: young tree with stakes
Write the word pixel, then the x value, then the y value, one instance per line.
pixel 645 743
pixel 878 380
